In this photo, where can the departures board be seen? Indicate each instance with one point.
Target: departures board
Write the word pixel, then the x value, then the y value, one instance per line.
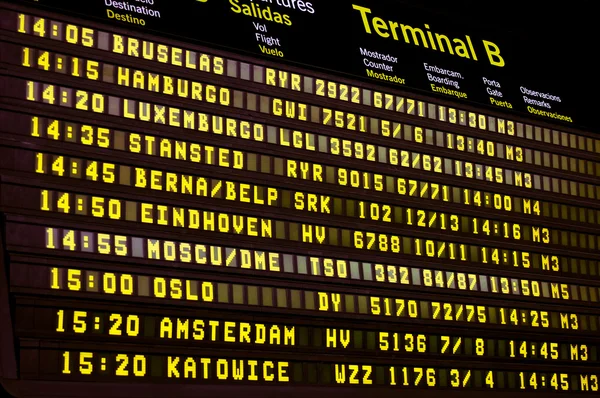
pixel 183 221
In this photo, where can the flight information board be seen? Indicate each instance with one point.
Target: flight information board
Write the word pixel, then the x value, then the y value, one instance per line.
pixel 182 220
